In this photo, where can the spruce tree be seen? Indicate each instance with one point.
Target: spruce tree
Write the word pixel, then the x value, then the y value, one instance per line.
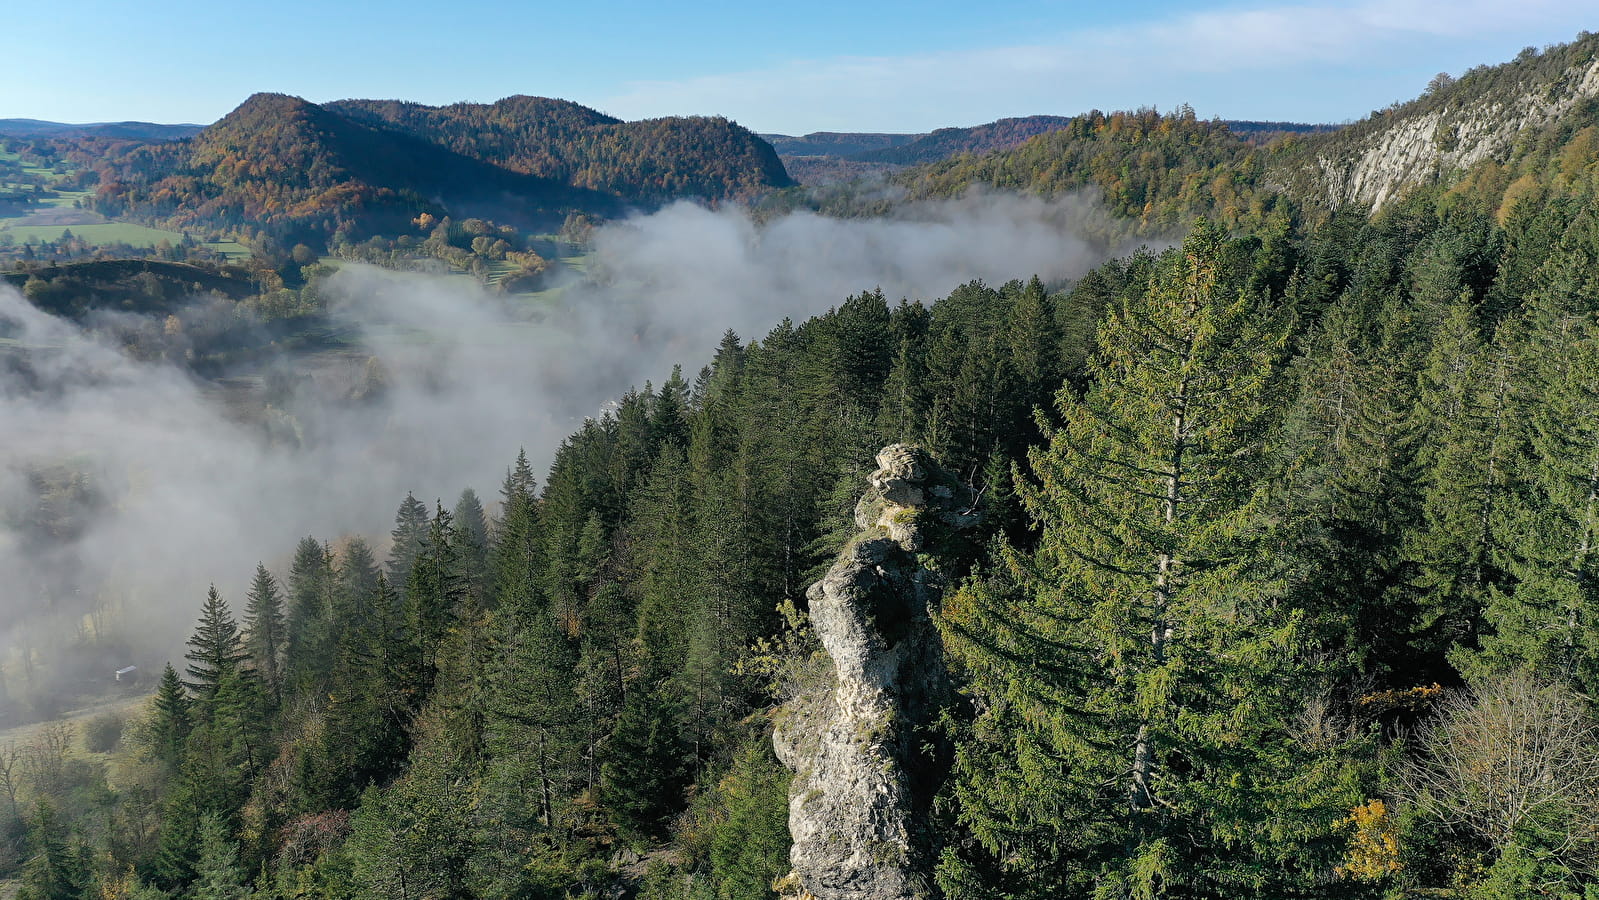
pixel 55 870
pixel 669 410
pixel 218 650
pixel 355 584
pixel 410 528
pixel 1138 671
pixel 535 720
pixel 516 560
pixel 1546 621
pixel 370 707
pixel 309 616
pixel 1470 410
pixel 266 630
pixel 663 538
pixel 472 542
pixel 171 721
pixel 434 593
pixel 644 770
pixel 218 875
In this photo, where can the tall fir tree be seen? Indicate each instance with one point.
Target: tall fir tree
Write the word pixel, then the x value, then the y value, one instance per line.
pixel 172 719
pixel 410 528
pixel 217 648
pixel 473 544
pixel 266 630
pixel 309 615
pixel 1140 659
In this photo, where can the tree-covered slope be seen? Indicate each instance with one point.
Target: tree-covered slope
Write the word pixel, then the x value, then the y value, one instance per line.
pixel 946 142
pixel 1489 114
pixel 836 143
pixel 1268 521
pixel 647 160
pixel 298 171
pixel 134 131
pixel 1160 170
pixel 1154 171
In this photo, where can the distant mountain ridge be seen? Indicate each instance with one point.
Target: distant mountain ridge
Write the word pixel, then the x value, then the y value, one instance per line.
pixel 1528 126
pixel 822 157
pixel 649 159
pixel 135 131
pixel 842 144
pixel 304 172
pixel 996 135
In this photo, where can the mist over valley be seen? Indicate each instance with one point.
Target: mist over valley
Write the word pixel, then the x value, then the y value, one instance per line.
pixel 519 499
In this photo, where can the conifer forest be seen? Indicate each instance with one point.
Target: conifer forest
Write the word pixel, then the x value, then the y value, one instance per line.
pixel 1258 557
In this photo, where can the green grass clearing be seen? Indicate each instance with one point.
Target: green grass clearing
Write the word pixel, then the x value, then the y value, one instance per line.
pixel 106 233
pixel 230 250
pixel 126 706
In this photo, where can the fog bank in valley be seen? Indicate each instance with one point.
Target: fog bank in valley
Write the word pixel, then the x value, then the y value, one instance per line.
pixel 159 485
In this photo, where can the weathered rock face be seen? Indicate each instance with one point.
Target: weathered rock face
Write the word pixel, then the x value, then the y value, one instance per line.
pixel 862 773
pixel 1418 148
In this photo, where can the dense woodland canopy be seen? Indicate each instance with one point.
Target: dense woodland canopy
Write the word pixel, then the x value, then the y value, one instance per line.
pixel 1286 587
pixel 294 171
pixel 1382 508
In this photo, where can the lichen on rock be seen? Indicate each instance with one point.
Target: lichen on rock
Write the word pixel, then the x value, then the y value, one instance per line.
pixel 859 748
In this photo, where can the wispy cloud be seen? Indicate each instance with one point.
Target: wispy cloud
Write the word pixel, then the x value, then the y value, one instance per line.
pixel 1201 57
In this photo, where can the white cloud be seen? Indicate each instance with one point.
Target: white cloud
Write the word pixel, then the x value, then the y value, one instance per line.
pixel 1198 58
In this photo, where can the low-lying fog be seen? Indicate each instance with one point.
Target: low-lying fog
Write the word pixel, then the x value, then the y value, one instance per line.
pixel 185 493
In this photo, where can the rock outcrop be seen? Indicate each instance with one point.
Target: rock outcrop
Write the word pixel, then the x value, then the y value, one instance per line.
pixel 864 770
pixel 1417 148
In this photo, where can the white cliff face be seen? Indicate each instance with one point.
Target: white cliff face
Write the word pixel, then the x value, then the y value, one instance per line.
pixel 861 776
pixel 1420 148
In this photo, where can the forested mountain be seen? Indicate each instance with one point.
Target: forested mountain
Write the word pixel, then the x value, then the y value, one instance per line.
pixel 1259 566
pixel 135 131
pixel 650 160
pixel 1494 124
pixel 841 144
pixel 293 170
pixel 1152 171
pixel 299 172
pixel 1503 113
pixel 946 142
pixel 828 157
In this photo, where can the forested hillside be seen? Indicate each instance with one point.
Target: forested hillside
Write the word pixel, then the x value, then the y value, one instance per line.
pixel 292 171
pixel 137 131
pixel 1153 172
pixel 1494 124
pixel 1264 565
pixel 651 160
pixel 1339 474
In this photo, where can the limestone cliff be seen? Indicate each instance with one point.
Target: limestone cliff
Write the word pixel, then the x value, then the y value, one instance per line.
pixel 1454 127
pixel 858 744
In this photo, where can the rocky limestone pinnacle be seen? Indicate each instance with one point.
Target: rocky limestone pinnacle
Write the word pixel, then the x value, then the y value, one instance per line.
pixel 865 769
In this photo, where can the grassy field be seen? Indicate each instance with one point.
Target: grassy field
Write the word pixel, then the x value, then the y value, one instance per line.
pixel 105 233
pixel 101 232
pixel 22 735
pixel 63 200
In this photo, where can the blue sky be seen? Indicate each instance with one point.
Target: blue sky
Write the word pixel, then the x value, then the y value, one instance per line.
pixel 789 67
